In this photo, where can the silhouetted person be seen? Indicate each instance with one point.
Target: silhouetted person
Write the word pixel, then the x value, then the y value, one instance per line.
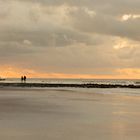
pixel 24 78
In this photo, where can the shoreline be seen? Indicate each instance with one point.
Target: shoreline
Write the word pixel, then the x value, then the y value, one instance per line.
pixel 54 85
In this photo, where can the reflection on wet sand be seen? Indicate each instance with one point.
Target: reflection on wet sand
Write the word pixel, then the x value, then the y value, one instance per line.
pixel 67 114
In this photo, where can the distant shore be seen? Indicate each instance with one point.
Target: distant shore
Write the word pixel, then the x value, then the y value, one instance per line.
pixel 68 85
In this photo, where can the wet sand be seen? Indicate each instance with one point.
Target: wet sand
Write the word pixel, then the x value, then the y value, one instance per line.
pixel 67 114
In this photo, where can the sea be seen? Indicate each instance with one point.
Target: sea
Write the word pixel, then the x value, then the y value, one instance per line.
pixel 116 91
pixel 76 81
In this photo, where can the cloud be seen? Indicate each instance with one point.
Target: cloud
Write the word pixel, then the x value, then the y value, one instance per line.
pixel 38 25
pixel 89 37
pixel 104 24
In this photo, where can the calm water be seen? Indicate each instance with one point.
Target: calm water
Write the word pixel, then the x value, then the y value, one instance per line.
pixel 76 81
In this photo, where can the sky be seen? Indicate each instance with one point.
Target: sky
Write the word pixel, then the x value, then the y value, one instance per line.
pixel 70 38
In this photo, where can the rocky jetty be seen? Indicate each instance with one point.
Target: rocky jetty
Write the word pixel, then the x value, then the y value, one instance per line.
pixel 53 85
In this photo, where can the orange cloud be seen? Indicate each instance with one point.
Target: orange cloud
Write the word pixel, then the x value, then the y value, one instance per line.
pixel 129 73
pixel 13 72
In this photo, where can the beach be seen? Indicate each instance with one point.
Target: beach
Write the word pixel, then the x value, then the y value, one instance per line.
pixel 69 114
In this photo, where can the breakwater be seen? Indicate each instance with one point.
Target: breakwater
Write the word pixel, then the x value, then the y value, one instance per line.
pixel 54 85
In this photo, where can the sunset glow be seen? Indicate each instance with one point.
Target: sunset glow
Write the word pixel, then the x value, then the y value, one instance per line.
pixel 11 72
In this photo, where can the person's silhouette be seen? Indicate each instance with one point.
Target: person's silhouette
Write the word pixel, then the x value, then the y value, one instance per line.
pixel 24 78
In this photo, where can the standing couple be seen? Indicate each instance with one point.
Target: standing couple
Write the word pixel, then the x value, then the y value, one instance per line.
pixel 23 78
